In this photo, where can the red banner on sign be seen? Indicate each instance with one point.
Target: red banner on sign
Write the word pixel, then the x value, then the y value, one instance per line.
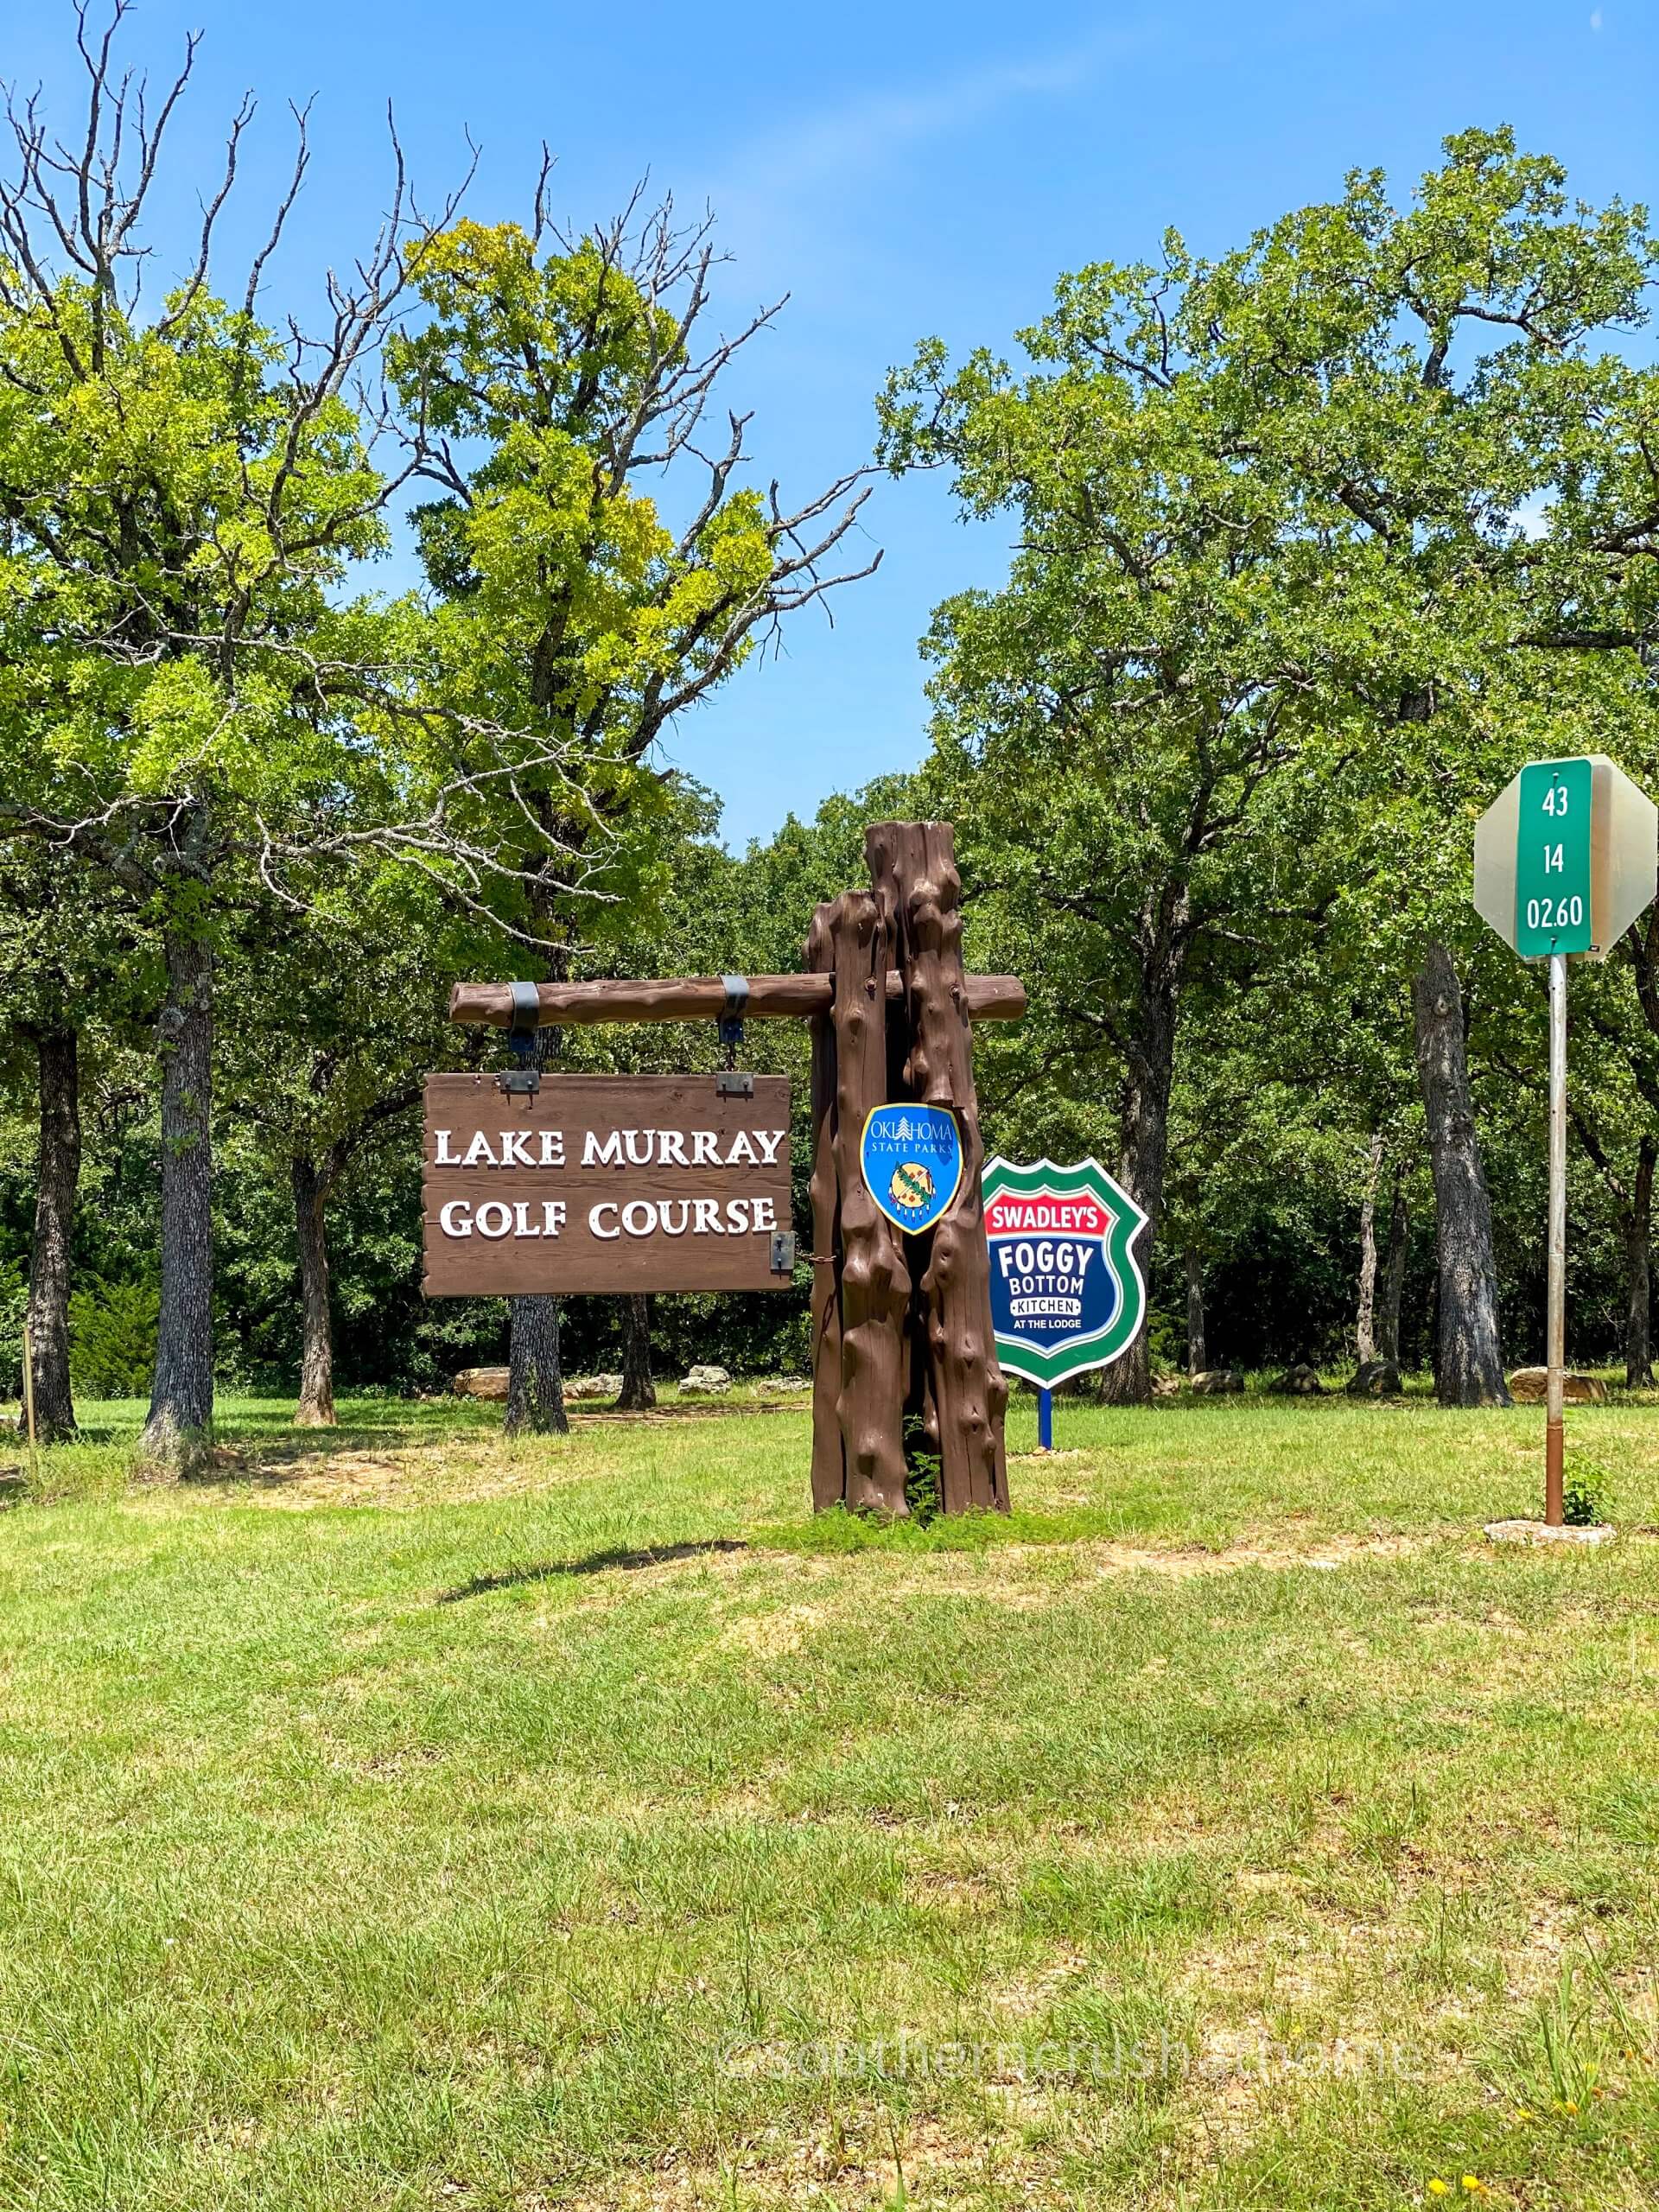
pixel 1012 1214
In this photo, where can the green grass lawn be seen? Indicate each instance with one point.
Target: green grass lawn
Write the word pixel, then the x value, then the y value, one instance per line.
pixel 398 1818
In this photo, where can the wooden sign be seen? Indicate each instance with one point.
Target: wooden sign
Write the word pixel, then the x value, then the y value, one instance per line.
pixel 618 1182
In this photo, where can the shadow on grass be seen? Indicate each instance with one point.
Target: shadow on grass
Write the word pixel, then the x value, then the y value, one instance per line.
pixel 595 1563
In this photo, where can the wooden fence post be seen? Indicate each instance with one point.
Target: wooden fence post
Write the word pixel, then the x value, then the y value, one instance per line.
pixel 913 869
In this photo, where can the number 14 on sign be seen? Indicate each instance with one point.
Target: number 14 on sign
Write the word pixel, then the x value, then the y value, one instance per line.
pixel 1565 858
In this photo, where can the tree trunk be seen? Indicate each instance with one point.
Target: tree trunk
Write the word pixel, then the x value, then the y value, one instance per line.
pixel 1197 1357
pixel 1469 1370
pixel 535 1386
pixel 1364 1328
pixel 638 1391
pixel 181 1401
pixel 1394 1274
pixel 316 1406
pixel 59 1177
pixel 1638 1237
pixel 1128 1381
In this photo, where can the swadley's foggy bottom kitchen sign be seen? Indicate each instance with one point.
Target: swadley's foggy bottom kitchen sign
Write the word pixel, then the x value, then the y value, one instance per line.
pixel 1066 1291
pixel 604 1183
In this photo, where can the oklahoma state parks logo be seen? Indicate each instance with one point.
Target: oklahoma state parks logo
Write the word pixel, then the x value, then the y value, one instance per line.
pixel 1067 1289
pixel 912 1158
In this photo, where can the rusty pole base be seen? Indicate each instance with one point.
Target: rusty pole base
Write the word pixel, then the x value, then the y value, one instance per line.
pixel 1555 1456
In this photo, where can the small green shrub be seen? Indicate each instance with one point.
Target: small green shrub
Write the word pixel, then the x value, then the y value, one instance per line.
pixel 1584 1492
pixel 113 1330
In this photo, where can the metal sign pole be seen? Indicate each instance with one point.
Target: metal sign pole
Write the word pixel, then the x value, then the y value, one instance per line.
pixel 1045 1420
pixel 1555 1345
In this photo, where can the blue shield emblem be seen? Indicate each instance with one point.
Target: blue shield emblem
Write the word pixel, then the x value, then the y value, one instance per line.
pixel 912 1158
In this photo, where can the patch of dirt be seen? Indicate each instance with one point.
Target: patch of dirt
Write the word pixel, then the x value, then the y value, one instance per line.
pixel 774 1635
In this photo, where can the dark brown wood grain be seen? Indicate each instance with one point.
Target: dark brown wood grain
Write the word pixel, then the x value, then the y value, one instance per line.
pixel 699 998
pixel 578 1258
pixel 874 1279
pixel 963 1396
pixel 829 1451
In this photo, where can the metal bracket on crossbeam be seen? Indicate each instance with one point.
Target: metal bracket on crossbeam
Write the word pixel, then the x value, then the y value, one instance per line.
pixel 524 1079
pixel 783 1251
pixel 732 1082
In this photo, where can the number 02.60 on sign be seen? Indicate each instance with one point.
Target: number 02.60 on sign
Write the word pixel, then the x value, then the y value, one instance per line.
pixel 1552 859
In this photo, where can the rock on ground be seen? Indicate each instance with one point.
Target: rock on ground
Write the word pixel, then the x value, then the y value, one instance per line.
pixel 1528 1386
pixel 593 1386
pixel 1300 1380
pixel 1217 1381
pixel 704 1383
pixel 1375 1378
pixel 482 1382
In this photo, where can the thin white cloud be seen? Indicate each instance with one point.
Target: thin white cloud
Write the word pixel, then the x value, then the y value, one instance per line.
pixel 867 132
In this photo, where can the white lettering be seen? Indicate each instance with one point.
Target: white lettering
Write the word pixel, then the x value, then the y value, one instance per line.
pixel 639 1217
pixel 478 1152
pixel 496 1212
pixel 706 1220
pixel 552 1148
pixel 665 1219
pixel 445 1157
pixel 741 1150
pixel 449 1217
pixel 553 1211
pixel 515 1149
pixel 521 1219
pixel 606 1205
pixel 769 1141
pixel 671 1148
pixel 737 1215
pixel 704 1152
pixel 638 1144
pixel 605 1153
pixel 766 1214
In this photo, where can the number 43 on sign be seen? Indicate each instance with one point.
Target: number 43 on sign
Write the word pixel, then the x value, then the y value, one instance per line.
pixel 1566 859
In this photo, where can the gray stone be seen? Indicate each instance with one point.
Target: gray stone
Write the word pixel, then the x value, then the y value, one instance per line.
pixel 704 1383
pixel 1299 1382
pixel 1216 1381
pixel 1375 1378
pixel 578 1387
pixel 782 1385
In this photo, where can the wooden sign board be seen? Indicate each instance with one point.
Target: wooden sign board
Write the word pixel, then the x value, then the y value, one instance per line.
pixel 604 1183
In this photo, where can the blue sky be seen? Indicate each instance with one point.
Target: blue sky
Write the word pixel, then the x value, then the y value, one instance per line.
pixel 900 171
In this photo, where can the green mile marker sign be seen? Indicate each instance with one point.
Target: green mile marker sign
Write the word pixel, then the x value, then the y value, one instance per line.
pixel 1552 859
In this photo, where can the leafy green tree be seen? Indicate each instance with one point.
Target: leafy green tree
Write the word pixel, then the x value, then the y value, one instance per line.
pixel 563 384
pixel 67 968
pixel 195 702
pixel 1274 619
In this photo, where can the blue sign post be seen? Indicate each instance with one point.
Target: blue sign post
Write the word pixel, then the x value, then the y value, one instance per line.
pixel 1067 1293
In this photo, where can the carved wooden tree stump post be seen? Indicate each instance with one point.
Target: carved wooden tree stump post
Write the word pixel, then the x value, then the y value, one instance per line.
pixel 874 1278
pixel 914 867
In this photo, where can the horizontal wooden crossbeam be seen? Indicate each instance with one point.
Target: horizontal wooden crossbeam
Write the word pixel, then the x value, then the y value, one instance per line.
pixel 702 998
